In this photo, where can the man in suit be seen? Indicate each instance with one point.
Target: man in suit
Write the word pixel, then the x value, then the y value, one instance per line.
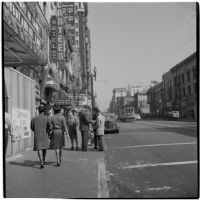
pixel 84 126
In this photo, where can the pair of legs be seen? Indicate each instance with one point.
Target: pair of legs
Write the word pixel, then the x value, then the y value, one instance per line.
pixel 42 156
pixel 84 136
pixel 73 137
pixel 98 142
pixel 58 155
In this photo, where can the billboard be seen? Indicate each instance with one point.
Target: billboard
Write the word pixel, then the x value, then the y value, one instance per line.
pixel 21 120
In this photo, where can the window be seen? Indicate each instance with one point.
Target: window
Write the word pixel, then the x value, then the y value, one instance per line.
pixel 188 76
pixel 194 73
pixel 175 82
pixel 179 94
pixel 189 89
pixel 29 15
pixel 183 92
pixel 25 25
pixel 77 34
pixel 14 10
pixel 195 88
pixel 77 25
pixel 183 78
pixel 179 79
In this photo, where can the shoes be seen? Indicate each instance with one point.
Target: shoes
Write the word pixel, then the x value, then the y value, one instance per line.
pixel 58 164
pixel 76 148
pixel 41 165
pixel 44 162
pixel 100 149
pixel 72 148
pixel 95 147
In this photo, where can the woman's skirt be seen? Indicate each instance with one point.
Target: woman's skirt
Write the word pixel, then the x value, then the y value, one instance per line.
pixel 57 140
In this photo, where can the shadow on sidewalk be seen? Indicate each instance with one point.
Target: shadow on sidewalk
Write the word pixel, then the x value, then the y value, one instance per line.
pixel 29 163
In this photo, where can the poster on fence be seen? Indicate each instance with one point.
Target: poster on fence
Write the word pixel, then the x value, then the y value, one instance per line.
pixel 21 123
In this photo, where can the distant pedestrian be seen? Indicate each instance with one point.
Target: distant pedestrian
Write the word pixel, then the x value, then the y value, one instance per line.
pixel 8 130
pixel 95 127
pixel 84 127
pixel 74 127
pixel 58 130
pixel 39 126
pixel 99 127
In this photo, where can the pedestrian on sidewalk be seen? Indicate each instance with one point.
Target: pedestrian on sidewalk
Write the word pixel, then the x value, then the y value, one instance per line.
pixel 84 126
pixel 8 130
pixel 39 126
pixel 72 123
pixel 99 127
pixel 95 127
pixel 58 130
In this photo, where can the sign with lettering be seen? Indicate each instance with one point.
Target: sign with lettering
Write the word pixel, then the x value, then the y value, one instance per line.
pixel 53 47
pixel 68 13
pixel 21 123
pixel 60 33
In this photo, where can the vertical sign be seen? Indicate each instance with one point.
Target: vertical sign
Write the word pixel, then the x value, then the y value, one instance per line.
pixel 60 34
pixel 53 49
pixel 21 123
pixel 68 9
pixel 68 14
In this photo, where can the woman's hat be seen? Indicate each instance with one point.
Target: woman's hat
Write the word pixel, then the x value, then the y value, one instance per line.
pixel 41 108
pixel 74 109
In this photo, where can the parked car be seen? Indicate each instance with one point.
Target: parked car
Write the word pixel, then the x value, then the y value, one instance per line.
pixel 137 116
pixel 111 126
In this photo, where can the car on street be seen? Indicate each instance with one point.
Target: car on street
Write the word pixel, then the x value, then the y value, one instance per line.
pixel 137 116
pixel 111 124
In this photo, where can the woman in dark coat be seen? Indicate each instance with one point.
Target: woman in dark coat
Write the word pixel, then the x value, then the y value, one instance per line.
pixel 39 126
pixel 58 130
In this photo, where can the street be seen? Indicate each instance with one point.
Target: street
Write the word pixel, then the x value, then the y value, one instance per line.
pixel 147 159
pixel 153 159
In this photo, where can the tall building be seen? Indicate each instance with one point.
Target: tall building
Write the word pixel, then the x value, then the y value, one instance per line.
pixel 44 60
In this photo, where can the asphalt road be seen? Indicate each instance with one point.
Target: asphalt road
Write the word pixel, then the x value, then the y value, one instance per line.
pixel 153 159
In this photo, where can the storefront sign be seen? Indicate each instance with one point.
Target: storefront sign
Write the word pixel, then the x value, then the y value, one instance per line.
pixel 53 48
pixel 21 123
pixel 60 34
pixel 68 13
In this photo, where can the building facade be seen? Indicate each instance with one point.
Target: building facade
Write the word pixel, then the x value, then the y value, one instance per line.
pixel 177 91
pixel 42 61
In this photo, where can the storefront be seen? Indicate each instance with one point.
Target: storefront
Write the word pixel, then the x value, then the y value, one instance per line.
pixel 21 103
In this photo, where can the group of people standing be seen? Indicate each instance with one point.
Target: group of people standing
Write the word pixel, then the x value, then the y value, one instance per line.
pixel 55 127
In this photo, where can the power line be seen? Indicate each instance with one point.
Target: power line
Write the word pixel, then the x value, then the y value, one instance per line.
pixel 171 56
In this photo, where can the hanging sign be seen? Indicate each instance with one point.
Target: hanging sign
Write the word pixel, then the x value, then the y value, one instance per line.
pixel 53 47
pixel 60 34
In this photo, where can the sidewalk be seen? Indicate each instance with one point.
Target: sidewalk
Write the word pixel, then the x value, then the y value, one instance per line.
pixel 81 175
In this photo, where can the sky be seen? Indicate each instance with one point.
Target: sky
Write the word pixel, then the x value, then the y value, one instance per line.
pixel 134 43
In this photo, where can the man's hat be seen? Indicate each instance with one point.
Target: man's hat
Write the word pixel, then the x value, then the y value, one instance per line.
pixel 41 108
pixel 56 108
pixel 96 109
